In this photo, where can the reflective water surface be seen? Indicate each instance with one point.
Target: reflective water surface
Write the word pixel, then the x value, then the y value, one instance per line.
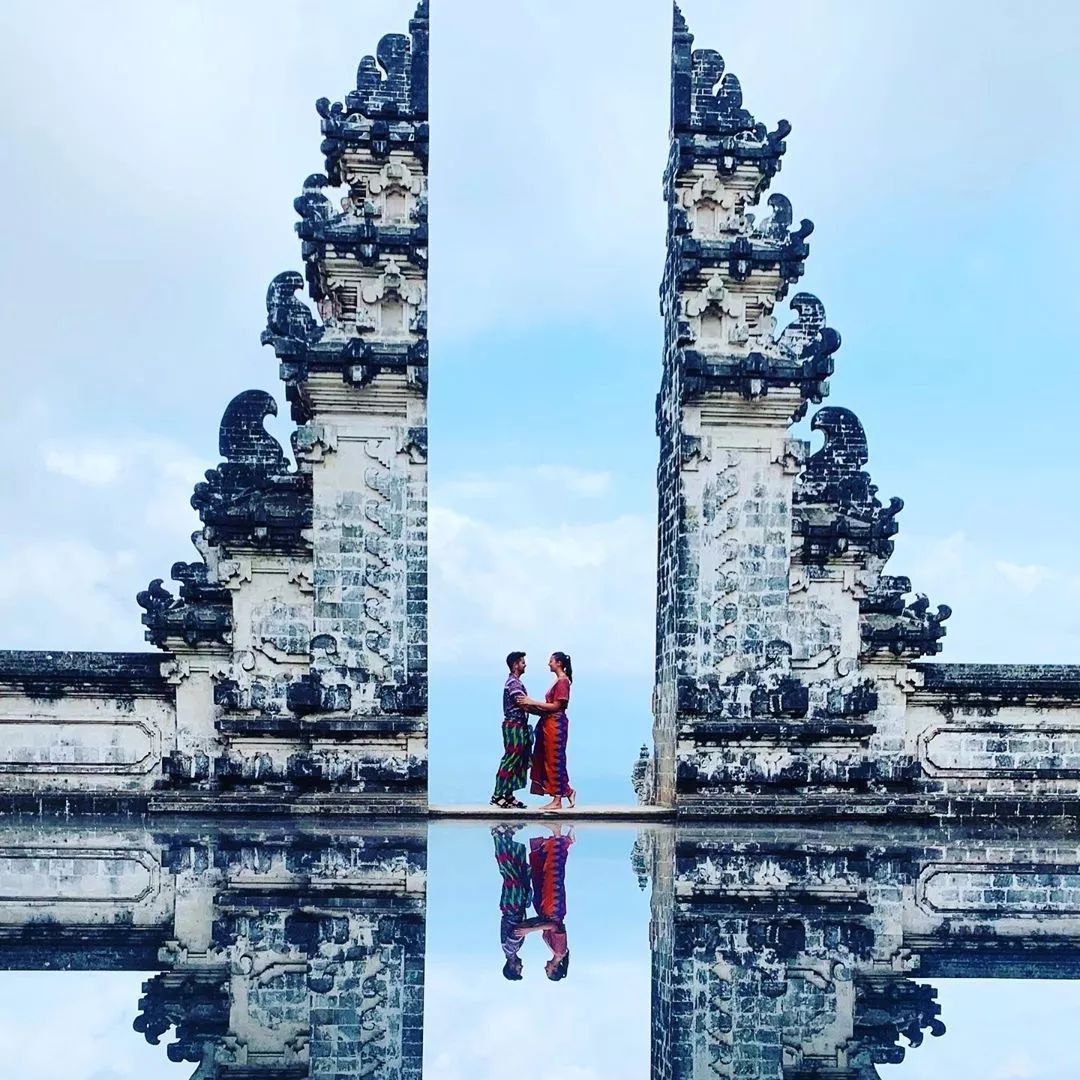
pixel 253 950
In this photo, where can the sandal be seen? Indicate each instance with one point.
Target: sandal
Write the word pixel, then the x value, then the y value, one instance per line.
pixel 500 802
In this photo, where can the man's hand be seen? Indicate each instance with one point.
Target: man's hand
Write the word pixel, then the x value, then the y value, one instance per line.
pixel 538 708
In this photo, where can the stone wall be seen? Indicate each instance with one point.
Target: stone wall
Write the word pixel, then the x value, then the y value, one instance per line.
pixel 78 725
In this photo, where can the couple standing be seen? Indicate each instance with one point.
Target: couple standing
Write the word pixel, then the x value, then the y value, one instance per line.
pixel 539 875
pixel 547 752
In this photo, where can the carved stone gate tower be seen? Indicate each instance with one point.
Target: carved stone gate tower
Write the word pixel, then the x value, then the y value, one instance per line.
pixel 294 664
pixel 787 673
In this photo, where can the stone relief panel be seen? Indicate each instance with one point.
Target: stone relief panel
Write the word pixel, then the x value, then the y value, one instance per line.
pixel 81 743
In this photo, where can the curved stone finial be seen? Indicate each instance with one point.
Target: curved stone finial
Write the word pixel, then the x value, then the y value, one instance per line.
pixel 243 440
pixel 252 498
pixel 155 597
pixel 836 510
pixel 312 204
pixel 392 84
pixel 808 336
pixel 680 26
pixel 707 101
pixel 845 448
pixel 290 326
pixel 889 623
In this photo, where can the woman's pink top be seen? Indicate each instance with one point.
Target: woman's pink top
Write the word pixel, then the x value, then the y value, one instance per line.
pixel 560 691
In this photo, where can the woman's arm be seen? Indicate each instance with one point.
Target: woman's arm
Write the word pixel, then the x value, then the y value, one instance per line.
pixel 540 707
pixel 529 926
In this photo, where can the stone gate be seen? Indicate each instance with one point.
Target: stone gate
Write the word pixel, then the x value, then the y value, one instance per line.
pixel 789 673
pixel 790 668
pixel 293 663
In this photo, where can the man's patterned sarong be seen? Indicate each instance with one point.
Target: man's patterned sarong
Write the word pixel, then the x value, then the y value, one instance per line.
pixel 514 768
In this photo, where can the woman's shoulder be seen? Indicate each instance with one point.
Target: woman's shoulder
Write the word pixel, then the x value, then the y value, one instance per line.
pixel 562 686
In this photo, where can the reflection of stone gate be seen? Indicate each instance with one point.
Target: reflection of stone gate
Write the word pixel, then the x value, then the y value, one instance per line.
pixel 777 953
pixel 788 954
pixel 294 668
pixel 285 954
pixel 787 674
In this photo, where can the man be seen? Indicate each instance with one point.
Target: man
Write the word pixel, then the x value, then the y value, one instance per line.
pixel 517 737
pixel 513 863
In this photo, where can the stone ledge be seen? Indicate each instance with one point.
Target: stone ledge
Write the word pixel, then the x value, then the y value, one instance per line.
pixel 53 674
pixel 280 804
pixel 785 731
pixel 491 813
pixel 999 682
pixel 807 806
pixel 321 724
pixel 120 947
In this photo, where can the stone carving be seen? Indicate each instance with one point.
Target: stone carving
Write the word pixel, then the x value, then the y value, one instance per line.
pixel 297 646
pixel 367 264
pixel 738 352
pixel 707 113
pixel 642 776
pixel 252 499
pixel 290 326
pixel 771 603
pixel 388 111
pixel 201 614
pixel 890 624
pixel 282 953
pixel 835 504
pixel 781 953
pixel 391 304
pixel 196 1003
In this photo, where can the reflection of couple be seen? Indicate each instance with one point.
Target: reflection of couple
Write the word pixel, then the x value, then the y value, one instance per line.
pixel 548 753
pixel 541 873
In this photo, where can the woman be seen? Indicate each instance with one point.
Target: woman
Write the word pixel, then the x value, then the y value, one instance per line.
pixel 549 775
pixel 547 863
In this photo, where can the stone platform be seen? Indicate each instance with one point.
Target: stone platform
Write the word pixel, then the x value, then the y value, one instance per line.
pixel 487 812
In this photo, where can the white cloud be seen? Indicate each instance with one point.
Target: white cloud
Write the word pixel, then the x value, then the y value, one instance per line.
pixel 76 1026
pixel 528 484
pixel 595 1023
pixel 69 592
pixel 1017 1066
pixel 1025 579
pixel 1003 610
pixel 584 588
pixel 165 470
pixel 581 482
pixel 98 468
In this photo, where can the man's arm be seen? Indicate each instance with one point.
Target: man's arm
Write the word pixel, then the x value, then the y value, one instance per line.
pixel 538 707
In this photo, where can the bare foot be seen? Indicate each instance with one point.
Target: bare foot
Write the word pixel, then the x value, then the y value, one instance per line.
pixel 555 804
pixel 572 797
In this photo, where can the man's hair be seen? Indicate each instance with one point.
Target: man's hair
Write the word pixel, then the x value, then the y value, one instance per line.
pixel 513 658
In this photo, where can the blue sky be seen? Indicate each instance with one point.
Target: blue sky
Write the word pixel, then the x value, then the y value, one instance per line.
pixel 151 155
